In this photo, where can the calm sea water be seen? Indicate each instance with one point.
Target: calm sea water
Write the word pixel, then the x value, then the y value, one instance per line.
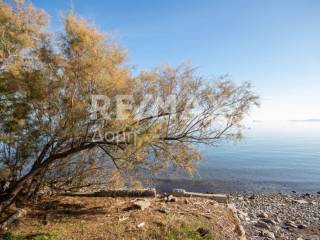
pixel 273 157
pixel 282 156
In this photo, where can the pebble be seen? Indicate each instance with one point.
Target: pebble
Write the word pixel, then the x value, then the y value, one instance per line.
pixel 268 221
pixel 243 216
pixel 141 225
pixel 252 197
pixel 302 226
pixel 287 216
pixel 291 224
pixel 268 234
pixel 261 224
pixel 164 210
pixel 263 215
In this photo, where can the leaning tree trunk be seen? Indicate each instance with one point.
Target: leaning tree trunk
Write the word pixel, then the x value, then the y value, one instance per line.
pixel 36 185
pixel 15 191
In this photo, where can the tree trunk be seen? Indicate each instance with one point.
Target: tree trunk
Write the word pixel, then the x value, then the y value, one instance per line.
pixel 8 199
pixel 15 190
pixel 12 218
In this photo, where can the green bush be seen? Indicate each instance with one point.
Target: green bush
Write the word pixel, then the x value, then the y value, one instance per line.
pixel 185 232
pixel 10 236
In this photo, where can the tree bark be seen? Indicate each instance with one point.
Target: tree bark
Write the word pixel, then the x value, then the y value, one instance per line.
pixel 12 218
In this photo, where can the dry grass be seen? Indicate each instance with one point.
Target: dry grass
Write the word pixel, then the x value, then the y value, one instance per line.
pixel 85 218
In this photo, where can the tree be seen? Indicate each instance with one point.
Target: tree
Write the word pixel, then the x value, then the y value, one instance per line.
pixel 46 89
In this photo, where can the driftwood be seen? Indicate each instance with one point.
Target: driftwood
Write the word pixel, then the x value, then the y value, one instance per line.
pixel 221 198
pixel 18 214
pixel 115 193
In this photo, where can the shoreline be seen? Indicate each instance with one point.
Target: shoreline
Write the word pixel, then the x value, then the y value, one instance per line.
pixel 234 187
pixel 272 211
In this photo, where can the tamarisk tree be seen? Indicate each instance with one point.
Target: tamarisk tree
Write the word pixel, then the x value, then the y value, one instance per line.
pixel 47 123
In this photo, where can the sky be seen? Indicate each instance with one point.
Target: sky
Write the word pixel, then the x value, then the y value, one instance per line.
pixel 273 44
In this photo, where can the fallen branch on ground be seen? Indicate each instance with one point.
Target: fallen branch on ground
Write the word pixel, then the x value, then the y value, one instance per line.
pixel 115 193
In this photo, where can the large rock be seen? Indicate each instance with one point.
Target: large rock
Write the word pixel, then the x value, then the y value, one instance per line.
pixel 142 204
pixel 171 198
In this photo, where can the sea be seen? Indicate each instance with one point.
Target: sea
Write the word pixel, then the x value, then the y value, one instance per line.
pixel 273 157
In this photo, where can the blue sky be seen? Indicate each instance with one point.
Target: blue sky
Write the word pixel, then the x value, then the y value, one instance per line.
pixel 275 44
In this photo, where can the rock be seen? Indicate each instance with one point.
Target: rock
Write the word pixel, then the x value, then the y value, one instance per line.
pixel 312 237
pixel 293 191
pixel 261 224
pixel 186 201
pixel 171 198
pixel 290 224
pixel 141 225
pixel 318 192
pixel 243 216
pixel 267 234
pixel 262 215
pixel 164 210
pixel 268 221
pixel 278 220
pixel 300 201
pixel 252 197
pixel 302 226
pixel 285 227
pixel 203 231
pixel 276 229
pixel 142 204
